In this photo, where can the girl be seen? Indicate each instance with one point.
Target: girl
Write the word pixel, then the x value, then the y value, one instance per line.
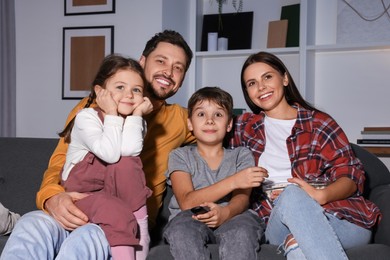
pixel 303 146
pixel 102 160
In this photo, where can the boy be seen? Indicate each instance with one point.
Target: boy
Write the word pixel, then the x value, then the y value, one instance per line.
pixel 215 178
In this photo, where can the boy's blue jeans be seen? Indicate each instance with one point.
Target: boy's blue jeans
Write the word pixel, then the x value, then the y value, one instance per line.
pixel 319 235
pixel 238 238
pixel 38 236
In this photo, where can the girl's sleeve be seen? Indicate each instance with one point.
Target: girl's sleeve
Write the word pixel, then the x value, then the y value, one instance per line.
pixel 103 140
pixel 134 131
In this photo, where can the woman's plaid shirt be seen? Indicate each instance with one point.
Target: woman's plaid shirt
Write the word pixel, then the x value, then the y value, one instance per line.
pixel 318 148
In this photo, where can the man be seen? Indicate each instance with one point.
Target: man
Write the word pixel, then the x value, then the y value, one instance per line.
pixel 165 59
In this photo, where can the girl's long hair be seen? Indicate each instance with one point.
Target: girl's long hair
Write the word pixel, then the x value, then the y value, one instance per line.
pixel 110 65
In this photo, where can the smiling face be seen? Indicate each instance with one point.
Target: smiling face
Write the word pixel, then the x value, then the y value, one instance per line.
pixel 209 122
pixel 165 69
pixel 265 87
pixel 126 88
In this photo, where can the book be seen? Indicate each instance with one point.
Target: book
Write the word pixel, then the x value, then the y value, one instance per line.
pixel 375 136
pixel 277 34
pixel 377 128
pixel 375 132
pixel 378 150
pixel 373 141
pixel 291 13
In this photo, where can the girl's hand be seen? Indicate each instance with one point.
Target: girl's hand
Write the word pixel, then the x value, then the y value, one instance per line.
pixel 215 217
pixel 249 178
pixel 144 108
pixel 105 101
pixel 317 194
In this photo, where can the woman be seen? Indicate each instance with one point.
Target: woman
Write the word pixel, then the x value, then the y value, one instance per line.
pixel 318 210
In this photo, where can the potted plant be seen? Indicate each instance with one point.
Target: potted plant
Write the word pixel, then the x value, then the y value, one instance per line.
pixel 237 4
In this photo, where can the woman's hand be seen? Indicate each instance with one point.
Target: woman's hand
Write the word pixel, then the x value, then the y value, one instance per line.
pixel 340 189
pixel 316 194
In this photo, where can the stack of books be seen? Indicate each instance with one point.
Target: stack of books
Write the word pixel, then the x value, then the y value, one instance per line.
pixel 376 140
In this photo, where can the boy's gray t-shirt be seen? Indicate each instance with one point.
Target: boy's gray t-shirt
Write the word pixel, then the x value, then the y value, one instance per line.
pixel 187 159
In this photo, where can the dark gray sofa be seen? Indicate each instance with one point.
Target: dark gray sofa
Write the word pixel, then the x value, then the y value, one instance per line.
pixel 22 164
pixel 23 161
pixel 377 189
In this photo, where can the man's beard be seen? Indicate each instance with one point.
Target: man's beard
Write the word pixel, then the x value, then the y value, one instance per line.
pixel 156 95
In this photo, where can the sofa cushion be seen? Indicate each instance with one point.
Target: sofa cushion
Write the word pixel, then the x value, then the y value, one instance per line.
pixel 380 196
pixel 23 162
pixel 376 171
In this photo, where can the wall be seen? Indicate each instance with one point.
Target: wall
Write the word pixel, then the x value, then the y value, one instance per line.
pixel 361 76
pixel 40 110
pixel 352 86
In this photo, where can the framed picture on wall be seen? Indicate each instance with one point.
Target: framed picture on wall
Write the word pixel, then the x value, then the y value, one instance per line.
pixel 84 48
pixel 82 7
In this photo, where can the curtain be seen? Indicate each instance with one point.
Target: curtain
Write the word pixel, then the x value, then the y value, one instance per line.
pixel 7 69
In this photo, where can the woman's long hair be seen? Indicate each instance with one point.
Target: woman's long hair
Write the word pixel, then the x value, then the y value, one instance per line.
pixel 291 91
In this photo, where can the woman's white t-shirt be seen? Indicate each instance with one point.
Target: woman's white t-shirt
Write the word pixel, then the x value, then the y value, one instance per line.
pixel 275 158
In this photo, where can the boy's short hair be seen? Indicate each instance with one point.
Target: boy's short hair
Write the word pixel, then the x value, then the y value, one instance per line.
pixel 214 94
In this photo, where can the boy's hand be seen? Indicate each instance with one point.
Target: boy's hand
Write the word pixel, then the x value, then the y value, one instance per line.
pixel 105 101
pixel 144 108
pixel 214 218
pixel 249 178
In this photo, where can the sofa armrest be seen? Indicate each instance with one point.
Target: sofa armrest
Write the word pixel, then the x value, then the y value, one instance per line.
pixel 380 195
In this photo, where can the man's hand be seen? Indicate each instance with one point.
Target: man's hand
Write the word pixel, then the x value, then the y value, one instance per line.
pixel 62 208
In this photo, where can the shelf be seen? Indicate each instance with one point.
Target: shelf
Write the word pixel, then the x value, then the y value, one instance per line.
pixel 235 53
pixel 296 50
pixel 348 47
